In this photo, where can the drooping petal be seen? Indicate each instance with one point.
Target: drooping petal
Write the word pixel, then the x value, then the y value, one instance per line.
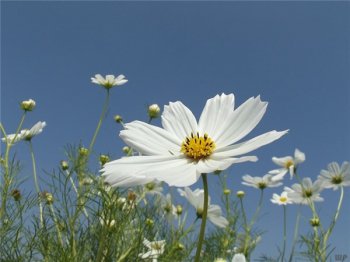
pixel 249 145
pixel 216 115
pixel 281 161
pixel 299 156
pixel 215 216
pixel 241 122
pixel 150 140
pixel 179 120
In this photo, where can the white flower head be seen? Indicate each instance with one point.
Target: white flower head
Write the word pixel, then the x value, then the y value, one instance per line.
pixel 260 182
pixel 169 208
pixel 109 80
pixel 34 131
pixel 196 199
pixel 153 188
pixel 12 138
pixel 305 192
pixel 288 164
pixel 282 199
pixel 155 249
pixel 239 258
pixel 335 176
pixel 183 149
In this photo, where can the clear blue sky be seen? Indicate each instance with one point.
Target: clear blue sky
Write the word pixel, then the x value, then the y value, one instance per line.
pixel 295 55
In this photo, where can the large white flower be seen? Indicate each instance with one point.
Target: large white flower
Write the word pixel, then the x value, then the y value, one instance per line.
pixel 155 249
pixel 260 182
pixel 109 81
pixel 335 176
pixel 288 164
pixel 35 130
pixel 184 149
pixel 196 199
pixel 305 192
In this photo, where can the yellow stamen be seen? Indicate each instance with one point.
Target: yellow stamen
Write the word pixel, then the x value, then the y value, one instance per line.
pixel 198 147
pixel 283 199
pixel 289 163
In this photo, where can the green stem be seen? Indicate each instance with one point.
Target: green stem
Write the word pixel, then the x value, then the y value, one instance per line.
pixel 7 180
pixel 246 228
pixel 284 231
pixel 76 191
pixel 104 110
pixel 56 225
pixel 36 184
pixel 296 230
pixel 258 208
pixel 330 229
pixel 204 219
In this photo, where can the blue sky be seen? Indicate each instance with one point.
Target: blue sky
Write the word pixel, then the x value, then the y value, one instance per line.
pixel 295 55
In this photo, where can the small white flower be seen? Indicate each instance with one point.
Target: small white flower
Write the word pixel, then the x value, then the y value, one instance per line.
pixel 283 199
pixel 153 111
pixel 153 188
pixel 335 176
pixel 196 199
pixel 12 138
pixel 183 149
pixel 35 130
pixel 155 249
pixel 109 81
pixel 239 258
pixel 305 192
pixel 260 182
pixel 288 164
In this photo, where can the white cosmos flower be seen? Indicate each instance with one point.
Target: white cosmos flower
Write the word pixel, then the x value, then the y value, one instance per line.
pixel 109 81
pixel 12 138
pixel 288 164
pixel 153 188
pixel 282 199
pixel 239 258
pixel 35 130
pixel 169 208
pixel 260 182
pixel 183 149
pixel 196 199
pixel 155 249
pixel 305 192
pixel 335 176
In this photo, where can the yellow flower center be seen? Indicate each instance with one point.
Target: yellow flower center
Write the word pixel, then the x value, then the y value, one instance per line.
pixel 283 199
pixel 198 147
pixel 156 246
pixel 289 163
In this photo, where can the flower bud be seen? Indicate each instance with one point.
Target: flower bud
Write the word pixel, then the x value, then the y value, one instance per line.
pixel 64 165
pixel 48 197
pixel 180 246
pixel 28 105
pixel 178 210
pixel 16 194
pixel 153 111
pixel 149 222
pixel 227 191
pixel 118 119
pixel 240 194
pixel 126 150
pixel 315 222
pixel 83 151
pixel 104 159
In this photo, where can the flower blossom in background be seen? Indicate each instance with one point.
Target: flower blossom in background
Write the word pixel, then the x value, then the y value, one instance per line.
pixel 109 81
pixel 305 192
pixel 260 182
pixel 196 199
pixel 239 258
pixel 288 164
pixel 28 134
pixel 335 176
pixel 12 138
pixel 282 199
pixel 155 249
pixel 183 149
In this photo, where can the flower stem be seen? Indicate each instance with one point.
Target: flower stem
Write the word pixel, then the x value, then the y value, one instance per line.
pixel 330 229
pixel 246 228
pixel 296 230
pixel 284 231
pixel 36 184
pixel 204 219
pixel 104 110
pixel 56 225
pixel 258 208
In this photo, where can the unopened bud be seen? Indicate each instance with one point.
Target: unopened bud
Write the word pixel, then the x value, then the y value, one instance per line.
pixel 153 111
pixel 83 151
pixel 28 105
pixel 149 222
pixel 178 210
pixel 227 191
pixel 48 197
pixel 126 150
pixel 118 119
pixel 64 165
pixel 240 194
pixel 315 222
pixel 104 159
pixel 16 194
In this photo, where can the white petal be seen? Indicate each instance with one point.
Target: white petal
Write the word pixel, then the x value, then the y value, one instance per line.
pixel 179 120
pixel 216 115
pixel 299 156
pixel 239 258
pixel 150 140
pixel 241 122
pixel 278 174
pixel 218 163
pixel 281 161
pixel 250 145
